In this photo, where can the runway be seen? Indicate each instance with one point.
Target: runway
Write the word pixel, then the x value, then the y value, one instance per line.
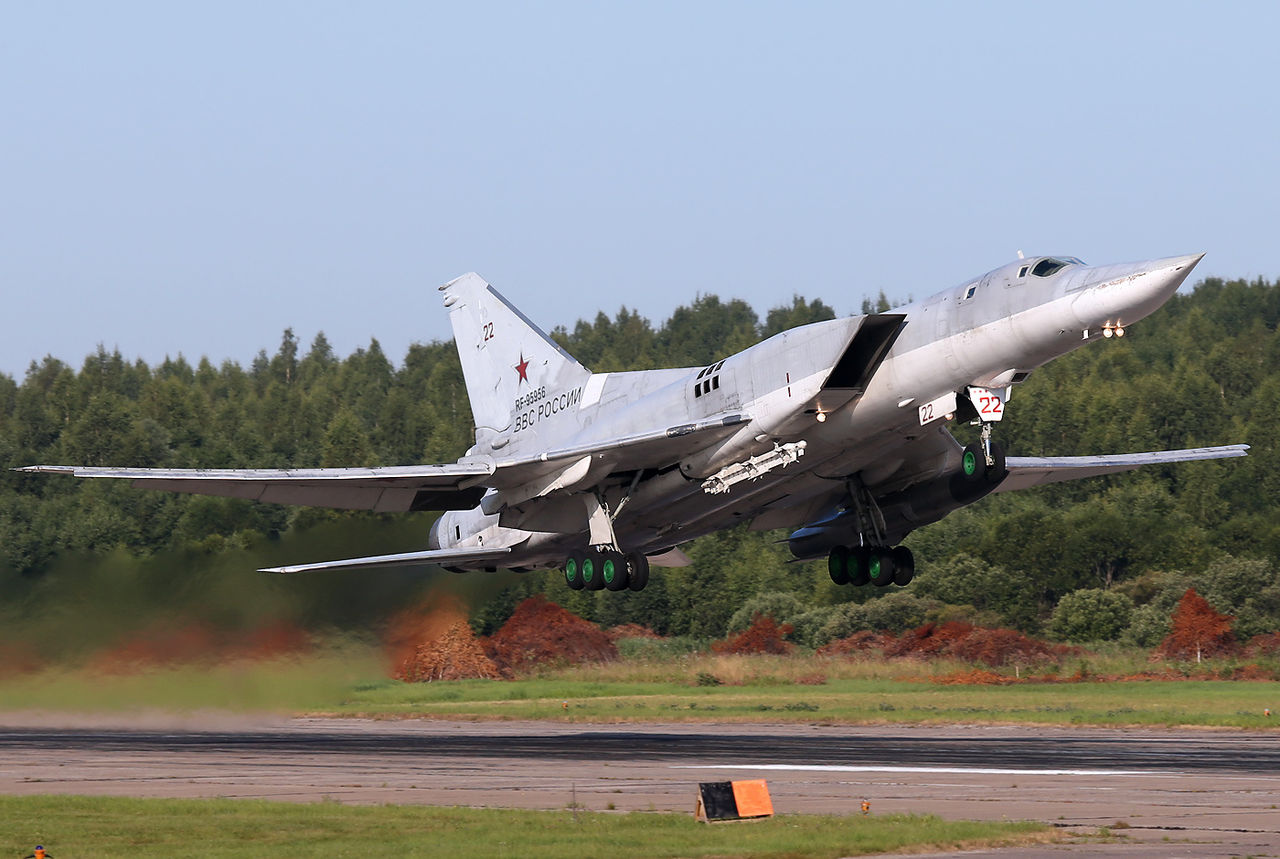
pixel 1185 792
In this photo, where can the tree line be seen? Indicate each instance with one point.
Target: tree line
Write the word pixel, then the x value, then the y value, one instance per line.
pixel 1104 558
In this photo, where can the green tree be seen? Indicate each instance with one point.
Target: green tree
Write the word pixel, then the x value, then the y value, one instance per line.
pixel 1091 614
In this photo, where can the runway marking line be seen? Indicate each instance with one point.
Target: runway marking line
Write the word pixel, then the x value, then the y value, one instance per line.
pixel 833 768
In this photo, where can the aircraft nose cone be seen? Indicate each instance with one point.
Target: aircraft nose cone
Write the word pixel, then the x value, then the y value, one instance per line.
pixel 1183 264
pixel 1123 294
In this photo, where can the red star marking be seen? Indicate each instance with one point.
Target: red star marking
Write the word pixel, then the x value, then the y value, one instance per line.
pixel 523 368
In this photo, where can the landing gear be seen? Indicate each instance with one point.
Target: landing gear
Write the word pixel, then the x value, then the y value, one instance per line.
pixel 573 573
pixel 984 460
pixel 604 569
pixel 881 569
pixel 859 566
pixel 904 566
pixel 838 565
pixel 877 565
pixel 593 570
pixel 637 571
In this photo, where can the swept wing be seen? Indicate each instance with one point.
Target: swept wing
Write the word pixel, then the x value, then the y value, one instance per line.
pixel 443 557
pixel 447 486
pixel 1028 471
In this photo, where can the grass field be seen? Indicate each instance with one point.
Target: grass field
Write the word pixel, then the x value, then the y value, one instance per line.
pixel 758 688
pixel 138 828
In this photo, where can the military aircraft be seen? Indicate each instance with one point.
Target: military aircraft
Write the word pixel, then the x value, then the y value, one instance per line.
pixel 837 430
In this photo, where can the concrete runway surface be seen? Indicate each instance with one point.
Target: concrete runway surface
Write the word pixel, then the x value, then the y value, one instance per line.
pixel 1168 793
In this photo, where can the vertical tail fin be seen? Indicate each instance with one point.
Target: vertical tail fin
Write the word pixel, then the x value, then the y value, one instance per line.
pixel 504 355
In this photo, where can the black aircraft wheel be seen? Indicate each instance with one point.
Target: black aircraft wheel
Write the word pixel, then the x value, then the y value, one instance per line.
pixel 881 567
pixel 637 571
pixel 859 566
pixel 573 572
pixel 973 462
pixel 904 566
pixel 592 570
pixel 838 565
pixel 996 472
pixel 614 571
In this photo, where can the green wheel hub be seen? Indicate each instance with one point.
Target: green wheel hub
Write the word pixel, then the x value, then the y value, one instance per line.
pixel 970 463
pixel 571 570
pixel 588 570
pixel 609 570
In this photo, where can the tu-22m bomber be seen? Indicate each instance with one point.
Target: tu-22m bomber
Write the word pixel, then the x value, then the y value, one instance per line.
pixel 837 431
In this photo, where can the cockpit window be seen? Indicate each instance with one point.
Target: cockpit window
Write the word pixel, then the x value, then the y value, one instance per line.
pixel 1050 266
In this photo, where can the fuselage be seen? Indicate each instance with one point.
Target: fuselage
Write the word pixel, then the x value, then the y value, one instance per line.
pixel 990 332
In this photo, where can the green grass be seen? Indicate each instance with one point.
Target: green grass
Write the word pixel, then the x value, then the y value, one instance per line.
pixel 1199 703
pixel 763 689
pixel 138 828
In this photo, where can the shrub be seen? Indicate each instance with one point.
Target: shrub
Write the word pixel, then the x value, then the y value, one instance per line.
pixel 782 607
pixel 810 627
pixel 1091 614
pixel 895 612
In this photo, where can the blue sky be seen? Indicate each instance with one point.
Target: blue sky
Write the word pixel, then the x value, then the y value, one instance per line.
pixel 194 179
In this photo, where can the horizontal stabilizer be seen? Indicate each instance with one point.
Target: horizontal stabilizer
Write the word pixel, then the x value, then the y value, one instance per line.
pixel 441 557
pixel 1028 471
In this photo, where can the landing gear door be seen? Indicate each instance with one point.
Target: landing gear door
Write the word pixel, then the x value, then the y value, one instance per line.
pixel 988 402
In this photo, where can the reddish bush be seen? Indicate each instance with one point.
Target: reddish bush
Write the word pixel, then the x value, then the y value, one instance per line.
pixel 1253 672
pixel 1197 631
pixel 997 647
pixel 932 639
pixel 763 636
pixel 540 631
pixel 424 623
pixel 454 655
pixel 1267 644
pixel 859 642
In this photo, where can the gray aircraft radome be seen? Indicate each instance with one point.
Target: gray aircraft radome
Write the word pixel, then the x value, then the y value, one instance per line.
pixel 836 430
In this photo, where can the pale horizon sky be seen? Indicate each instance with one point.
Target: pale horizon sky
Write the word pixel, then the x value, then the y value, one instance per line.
pixel 195 179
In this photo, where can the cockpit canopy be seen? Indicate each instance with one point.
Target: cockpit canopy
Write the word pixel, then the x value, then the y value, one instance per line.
pixel 1049 266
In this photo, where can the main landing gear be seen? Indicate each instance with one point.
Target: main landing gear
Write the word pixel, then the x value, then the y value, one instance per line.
pixel 877 565
pixel 604 569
